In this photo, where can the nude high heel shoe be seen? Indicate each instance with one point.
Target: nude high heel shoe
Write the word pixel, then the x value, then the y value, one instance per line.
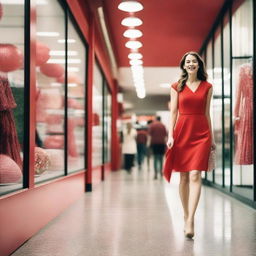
pixel 189 229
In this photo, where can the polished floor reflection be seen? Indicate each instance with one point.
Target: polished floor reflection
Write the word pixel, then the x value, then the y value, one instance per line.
pixel 135 215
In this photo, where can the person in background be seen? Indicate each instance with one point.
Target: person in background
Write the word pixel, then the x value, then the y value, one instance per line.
pixel 158 138
pixel 129 147
pixel 148 148
pixel 141 139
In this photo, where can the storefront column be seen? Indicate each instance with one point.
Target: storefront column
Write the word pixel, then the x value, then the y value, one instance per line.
pixel 89 96
pixel 115 153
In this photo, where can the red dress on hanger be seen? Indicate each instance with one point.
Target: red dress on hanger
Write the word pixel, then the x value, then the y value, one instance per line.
pixel 243 113
pixel 192 137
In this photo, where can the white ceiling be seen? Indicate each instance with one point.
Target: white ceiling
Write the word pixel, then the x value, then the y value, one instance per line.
pixel 153 76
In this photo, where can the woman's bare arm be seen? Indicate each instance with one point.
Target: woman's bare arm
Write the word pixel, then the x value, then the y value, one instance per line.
pixel 207 113
pixel 173 111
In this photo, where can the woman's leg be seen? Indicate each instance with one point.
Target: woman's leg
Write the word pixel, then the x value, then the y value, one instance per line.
pixel 184 192
pixel 155 165
pixel 195 183
pixel 126 162
pixel 130 158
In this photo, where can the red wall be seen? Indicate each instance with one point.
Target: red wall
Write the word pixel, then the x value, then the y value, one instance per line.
pixel 26 212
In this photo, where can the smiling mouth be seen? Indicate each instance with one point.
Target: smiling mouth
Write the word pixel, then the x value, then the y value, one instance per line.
pixel 191 68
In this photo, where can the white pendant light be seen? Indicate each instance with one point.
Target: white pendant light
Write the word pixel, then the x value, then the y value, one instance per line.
pixel 131 22
pixel 136 62
pixel 135 56
pixel 132 33
pixel 130 6
pixel 133 44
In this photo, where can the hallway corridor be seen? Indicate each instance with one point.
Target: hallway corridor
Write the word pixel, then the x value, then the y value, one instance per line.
pixel 134 215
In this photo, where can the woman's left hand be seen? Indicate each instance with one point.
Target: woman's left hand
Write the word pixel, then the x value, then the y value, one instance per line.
pixel 213 146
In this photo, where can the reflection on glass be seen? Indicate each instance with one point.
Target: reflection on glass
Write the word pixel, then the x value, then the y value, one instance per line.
pixel 226 70
pixel 242 23
pixel 109 114
pixel 242 32
pixel 243 127
pixel 217 106
pixel 11 96
pixel 97 129
pixel 204 58
pixel 107 124
pixel 209 69
pixel 50 62
pixel 76 101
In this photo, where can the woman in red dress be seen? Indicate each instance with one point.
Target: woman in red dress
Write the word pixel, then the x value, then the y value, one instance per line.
pixel 190 136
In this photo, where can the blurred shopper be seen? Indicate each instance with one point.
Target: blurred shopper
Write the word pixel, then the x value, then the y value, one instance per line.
pixel 148 149
pixel 158 138
pixel 190 136
pixel 129 146
pixel 142 137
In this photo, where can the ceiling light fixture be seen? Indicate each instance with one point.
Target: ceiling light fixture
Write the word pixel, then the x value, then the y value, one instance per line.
pixel 135 56
pixel 63 61
pixel 130 6
pixel 69 41
pixel 63 53
pixel 136 62
pixel 131 22
pixel 132 33
pixel 73 69
pixel 133 44
pixel 48 34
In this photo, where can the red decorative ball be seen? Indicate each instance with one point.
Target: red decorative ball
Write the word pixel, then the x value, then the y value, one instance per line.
pixel 72 78
pixel 11 58
pixel 10 172
pixel 42 53
pixel 52 70
pixel 42 160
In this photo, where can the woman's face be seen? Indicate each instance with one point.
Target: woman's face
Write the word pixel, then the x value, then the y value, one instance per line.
pixel 191 64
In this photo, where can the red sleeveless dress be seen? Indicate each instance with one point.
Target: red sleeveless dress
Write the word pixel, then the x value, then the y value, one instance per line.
pixel 192 137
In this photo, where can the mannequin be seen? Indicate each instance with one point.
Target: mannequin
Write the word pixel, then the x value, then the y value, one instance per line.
pixel 9 144
pixel 243 116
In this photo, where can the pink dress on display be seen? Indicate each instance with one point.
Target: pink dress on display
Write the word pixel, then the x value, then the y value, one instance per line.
pixel 243 114
pixel 9 144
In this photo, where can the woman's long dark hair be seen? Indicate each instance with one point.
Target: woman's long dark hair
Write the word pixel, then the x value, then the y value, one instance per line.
pixel 201 73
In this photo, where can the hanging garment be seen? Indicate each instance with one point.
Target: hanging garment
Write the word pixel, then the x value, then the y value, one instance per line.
pixel 243 127
pixel 192 137
pixel 9 144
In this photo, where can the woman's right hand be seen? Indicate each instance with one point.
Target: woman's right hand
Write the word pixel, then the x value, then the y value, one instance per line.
pixel 170 142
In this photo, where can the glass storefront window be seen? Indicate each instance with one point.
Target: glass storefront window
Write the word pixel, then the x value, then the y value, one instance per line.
pixel 209 68
pixel 107 124
pixel 226 76
pixel 203 55
pixel 217 106
pixel 50 94
pixel 11 96
pixel 76 99
pixel 97 129
pixel 242 97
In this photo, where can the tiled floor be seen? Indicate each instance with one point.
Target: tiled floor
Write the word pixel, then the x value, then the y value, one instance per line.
pixel 134 215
